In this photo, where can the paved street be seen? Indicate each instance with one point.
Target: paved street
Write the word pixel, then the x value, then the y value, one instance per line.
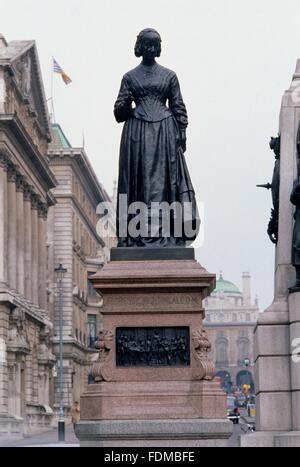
pixel 48 439
pixel 234 440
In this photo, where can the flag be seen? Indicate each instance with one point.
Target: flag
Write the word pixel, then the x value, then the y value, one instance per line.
pixel 58 69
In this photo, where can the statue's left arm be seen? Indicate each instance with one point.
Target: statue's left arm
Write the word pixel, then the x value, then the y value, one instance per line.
pixel 177 107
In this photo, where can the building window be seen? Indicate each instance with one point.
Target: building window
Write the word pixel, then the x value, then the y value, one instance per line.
pixel 243 350
pixel 90 287
pixel 221 352
pixel 92 331
pixel 76 334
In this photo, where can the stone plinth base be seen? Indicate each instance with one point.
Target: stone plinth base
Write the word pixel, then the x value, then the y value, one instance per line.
pixel 154 400
pixel 153 380
pixel 267 439
pixel 154 433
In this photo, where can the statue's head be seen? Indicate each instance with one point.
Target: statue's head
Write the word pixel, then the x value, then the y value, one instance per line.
pixel 148 44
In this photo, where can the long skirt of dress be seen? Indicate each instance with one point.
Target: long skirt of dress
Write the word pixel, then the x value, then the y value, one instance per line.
pixel 152 170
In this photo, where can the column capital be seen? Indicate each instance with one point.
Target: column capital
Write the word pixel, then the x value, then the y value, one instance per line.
pixel 20 183
pixel 4 158
pixel 11 172
pixel 28 191
pixel 42 210
pixel 35 200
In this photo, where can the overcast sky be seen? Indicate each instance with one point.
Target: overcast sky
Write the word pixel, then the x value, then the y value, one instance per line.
pixel 234 60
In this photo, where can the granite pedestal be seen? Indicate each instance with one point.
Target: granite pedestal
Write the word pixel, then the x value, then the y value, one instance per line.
pixel 153 369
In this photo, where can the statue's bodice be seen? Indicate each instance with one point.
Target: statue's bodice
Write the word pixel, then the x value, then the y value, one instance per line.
pixel 150 88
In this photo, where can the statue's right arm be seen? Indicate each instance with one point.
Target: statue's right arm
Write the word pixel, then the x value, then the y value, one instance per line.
pixel 123 105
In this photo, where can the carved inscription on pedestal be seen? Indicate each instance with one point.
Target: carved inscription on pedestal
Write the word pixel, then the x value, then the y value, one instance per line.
pixel 153 347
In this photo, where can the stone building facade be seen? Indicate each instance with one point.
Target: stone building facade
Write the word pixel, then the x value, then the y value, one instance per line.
pixel 81 242
pixel 231 317
pixel 26 359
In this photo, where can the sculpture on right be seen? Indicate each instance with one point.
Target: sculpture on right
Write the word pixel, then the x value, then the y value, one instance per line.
pixel 295 200
pixel 274 187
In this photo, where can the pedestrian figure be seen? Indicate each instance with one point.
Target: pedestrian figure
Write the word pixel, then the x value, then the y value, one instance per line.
pixel 75 413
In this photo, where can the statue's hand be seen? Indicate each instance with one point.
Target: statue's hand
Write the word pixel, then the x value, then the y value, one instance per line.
pixel 183 140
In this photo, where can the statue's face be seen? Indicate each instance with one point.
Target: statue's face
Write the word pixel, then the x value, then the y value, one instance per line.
pixel 150 45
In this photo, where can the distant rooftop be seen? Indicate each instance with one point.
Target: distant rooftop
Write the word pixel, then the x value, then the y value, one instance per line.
pixel 226 287
pixel 59 139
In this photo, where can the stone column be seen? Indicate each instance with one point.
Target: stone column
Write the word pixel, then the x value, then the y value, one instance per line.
pixel 4 324
pixel 18 390
pixel 35 249
pixel 20 236
pixel 12 226
pixel 28 378
pixel 3 216
pixel 27 242
pixel 42 255
pixel 12 386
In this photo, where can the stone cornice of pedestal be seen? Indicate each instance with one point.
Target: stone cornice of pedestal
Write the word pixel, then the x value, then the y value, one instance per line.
pixel 180 274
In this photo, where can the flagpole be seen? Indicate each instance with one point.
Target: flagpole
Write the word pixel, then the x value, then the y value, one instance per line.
pixel 52 93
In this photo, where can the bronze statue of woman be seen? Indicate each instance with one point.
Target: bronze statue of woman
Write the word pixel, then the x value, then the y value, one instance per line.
pixel 152 167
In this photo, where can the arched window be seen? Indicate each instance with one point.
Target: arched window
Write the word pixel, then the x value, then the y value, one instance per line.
pixel 221 352
pixel 243 345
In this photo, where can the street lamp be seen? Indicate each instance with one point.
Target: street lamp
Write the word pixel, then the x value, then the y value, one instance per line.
pixel 60 272
pixel 246 362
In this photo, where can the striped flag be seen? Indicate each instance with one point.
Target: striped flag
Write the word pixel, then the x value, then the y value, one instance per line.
pixel 58 69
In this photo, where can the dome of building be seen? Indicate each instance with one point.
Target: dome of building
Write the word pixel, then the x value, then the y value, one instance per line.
pixel 226 287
